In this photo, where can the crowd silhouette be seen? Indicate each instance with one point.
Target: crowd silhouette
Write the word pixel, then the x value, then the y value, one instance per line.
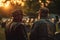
pixel 42 29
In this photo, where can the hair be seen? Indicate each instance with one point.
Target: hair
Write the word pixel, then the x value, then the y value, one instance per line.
pixel 17 15
pixel 44 12
pixel 17 12
pixel 57 18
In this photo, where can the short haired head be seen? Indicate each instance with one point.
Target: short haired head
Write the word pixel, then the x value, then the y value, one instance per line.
pixel 17 15
pixel 44 12
pixel 17 12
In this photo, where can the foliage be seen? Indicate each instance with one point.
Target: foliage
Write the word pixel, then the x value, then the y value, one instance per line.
pixel 57 2
pixel 52 7
pixel 31 7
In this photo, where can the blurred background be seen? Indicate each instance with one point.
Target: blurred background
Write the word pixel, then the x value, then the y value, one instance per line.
pixel 30 9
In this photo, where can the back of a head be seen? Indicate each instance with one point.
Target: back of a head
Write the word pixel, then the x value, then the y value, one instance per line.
pixel 17 12
pixel 44 12
pixel 17 15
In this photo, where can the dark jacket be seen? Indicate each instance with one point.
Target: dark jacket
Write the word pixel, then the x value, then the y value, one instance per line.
pixel 16 31
pixel 41 30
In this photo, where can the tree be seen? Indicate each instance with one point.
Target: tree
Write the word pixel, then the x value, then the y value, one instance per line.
pixel 57 2
pixel 52 7
pixel 32 7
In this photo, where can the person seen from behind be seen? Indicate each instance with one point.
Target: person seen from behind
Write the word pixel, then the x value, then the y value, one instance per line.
pixel 42 29
pixel 16 30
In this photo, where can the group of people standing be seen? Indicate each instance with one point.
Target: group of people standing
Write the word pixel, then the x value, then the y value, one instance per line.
pixel 42 29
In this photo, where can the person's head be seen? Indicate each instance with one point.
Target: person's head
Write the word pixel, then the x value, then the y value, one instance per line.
pixel 17 15
pixel 43 12
pixel 57 18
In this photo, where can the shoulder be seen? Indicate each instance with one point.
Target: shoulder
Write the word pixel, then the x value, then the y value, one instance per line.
pixel 41 21
pixel 16 24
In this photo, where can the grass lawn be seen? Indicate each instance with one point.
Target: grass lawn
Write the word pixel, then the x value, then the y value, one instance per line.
pixel 2 34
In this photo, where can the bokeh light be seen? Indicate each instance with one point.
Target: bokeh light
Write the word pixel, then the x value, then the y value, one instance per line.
pixel 40 1
pixel 2 0
pixel 7 4
pixel 1 4
pixel 46 4
pixel 42 4
pixel 48 1
pixel 19 2
pixel 13 2
pixel 4 3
